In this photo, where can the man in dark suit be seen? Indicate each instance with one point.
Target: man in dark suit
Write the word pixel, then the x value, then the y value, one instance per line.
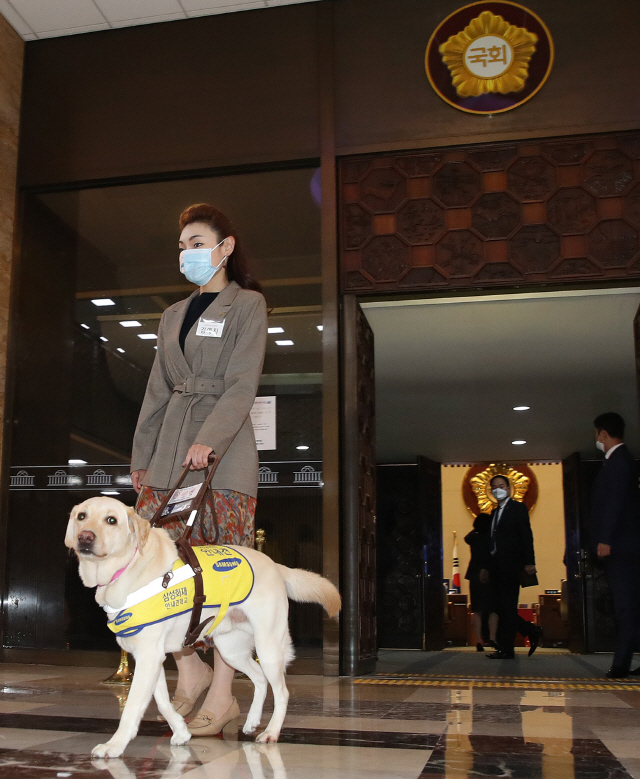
pixel 511 554
pixel 615 515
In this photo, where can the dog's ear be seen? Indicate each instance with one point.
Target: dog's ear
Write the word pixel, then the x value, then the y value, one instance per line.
pixel 140 527
pixel 70 537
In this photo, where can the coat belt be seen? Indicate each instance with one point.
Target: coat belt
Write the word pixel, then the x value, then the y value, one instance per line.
pixel 196 386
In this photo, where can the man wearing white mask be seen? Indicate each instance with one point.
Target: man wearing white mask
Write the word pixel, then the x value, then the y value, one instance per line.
pixel 512 558
pixel 615 516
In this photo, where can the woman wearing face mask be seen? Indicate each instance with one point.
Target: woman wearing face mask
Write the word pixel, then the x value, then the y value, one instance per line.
pixel 201 389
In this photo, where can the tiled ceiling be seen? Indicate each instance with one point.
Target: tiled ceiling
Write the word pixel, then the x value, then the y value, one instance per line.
pixel 34 19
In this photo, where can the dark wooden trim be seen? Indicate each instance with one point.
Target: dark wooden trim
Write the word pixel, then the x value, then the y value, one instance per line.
pixel 174 175
pixel 489 137
pixel 330 334
pixel 350 650
pixel 9 393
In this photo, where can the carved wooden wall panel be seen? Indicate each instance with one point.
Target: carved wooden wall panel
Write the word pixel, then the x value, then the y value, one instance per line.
pixel 488 216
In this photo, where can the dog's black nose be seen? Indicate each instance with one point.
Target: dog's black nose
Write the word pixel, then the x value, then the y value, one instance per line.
pixel 86 539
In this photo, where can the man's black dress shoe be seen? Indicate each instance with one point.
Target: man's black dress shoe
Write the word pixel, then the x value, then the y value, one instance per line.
pixel 616 673
pixel 636 672
pixel 535 639
pixel 500 655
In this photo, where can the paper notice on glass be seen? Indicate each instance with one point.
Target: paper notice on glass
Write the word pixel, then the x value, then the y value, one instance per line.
pixel 263 418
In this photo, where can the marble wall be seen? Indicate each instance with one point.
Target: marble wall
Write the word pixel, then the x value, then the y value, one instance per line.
pixel 11 58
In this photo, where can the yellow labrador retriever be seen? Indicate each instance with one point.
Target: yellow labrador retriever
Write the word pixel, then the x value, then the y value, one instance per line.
pixel 119 553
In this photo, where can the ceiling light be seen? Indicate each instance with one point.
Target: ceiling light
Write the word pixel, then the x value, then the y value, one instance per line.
pixel 131 323
pixel 284 343
pixel 521 408
pixel 302 447
pixel 103 302
pixel 147 336
pixel 109 492
pixel 275 330
pixel 120 350
pixel 77 462
pixel 518 443
pixel 86 327
pixel 102 338
pixel 320 327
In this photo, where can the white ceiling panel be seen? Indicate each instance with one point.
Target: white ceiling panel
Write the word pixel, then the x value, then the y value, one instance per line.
pixel 72 30
pixel 45 16
pixel 14 19
pixel 204 7
pixel 34 19
pixel 123 10
pixel 147 20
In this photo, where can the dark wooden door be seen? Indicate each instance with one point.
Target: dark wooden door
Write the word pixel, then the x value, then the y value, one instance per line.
pixel 359 644
pixel 591 619
pixel 575 553
pixel 400 557
pixel 433 593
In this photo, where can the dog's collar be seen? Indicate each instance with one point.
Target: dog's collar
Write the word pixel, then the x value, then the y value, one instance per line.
pixel 119 573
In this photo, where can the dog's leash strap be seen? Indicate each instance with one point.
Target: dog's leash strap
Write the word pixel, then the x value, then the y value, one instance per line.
pixel 158 520
pixel 198 504
pixel 188 556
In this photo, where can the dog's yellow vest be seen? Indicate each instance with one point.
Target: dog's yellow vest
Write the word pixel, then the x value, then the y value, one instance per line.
pixel 228 581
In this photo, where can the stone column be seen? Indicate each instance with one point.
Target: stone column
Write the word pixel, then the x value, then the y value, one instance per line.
pixel 11 60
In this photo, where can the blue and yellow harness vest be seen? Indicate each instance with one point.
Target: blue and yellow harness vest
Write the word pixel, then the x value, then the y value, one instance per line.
pixel 227 578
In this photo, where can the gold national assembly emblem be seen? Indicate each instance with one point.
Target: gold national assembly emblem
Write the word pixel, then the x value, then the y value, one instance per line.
pixel 489 57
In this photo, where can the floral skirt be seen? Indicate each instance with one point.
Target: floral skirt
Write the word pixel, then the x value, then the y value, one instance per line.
pixel 234 511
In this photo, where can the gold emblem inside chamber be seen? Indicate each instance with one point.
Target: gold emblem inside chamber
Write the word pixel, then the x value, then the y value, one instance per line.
pixel 481 485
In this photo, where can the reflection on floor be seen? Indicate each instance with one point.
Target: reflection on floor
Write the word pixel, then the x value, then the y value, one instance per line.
pixel 51 717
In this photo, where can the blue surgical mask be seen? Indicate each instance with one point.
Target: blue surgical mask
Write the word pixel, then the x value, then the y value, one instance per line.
pixel 196 264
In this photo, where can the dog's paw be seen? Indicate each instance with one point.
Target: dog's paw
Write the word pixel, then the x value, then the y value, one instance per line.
pixel 250 725
pixel 180 737
pixel 267 737
pixel 108 750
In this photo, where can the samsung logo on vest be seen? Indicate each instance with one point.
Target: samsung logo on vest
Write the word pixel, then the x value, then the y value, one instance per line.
pixel 227 565
pixel 122 618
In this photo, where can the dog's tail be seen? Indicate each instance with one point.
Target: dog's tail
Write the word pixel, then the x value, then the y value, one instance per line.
pixel 309 587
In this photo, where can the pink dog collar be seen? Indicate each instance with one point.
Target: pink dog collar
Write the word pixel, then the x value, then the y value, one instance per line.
pixel 119 573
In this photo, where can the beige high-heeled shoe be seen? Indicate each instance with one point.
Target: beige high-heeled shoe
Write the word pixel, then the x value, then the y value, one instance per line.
pixel 206 724
pixel 184 703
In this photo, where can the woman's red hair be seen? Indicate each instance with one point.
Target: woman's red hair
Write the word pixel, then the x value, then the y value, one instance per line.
pixel 237 265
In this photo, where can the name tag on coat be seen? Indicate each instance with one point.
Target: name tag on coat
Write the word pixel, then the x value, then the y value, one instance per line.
pixel 210 328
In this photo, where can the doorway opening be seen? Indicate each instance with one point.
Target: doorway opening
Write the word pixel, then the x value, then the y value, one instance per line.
pixel 510 379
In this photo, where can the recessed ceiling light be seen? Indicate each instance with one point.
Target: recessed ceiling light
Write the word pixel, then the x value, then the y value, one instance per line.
pixel 103 302
pixel 284 343
pixel 521 408
pixel 273 330
pixel 147 336
pixel 109 492
pixel 120 350
pixel 77 462
pixel 102 338
pixel 518 443
pixel 131 323
pixel 302 447
pixel 320 327
pixel 86 327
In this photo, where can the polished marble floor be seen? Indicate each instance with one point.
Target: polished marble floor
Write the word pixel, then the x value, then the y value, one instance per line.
pixel 448 714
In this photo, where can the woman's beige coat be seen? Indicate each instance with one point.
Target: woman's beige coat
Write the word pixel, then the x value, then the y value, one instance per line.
pixel 204 396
